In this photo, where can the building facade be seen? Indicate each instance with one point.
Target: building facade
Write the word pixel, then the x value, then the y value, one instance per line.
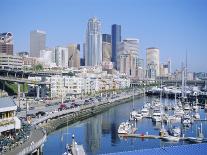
pixel 93 46
pixel 47 58
pixel 11 62
pixel 74 55
pixel 116 39
pixel 153 62
pixel 6 43
pixel 128 56
pixel 37 42
pixel 8 119
pixel 61 57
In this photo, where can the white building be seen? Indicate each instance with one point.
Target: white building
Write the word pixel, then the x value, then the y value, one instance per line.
pixel 47 58
pixel 8 119
pixel 37 42
pixel 153 62
pixel 10 62
pixel 61 57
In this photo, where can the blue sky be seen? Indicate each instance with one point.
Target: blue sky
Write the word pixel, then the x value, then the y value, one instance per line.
pixel 174 26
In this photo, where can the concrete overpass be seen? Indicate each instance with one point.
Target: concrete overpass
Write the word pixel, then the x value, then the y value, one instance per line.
pixel 19 81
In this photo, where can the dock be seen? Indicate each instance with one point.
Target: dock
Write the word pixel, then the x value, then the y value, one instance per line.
pixel 141 136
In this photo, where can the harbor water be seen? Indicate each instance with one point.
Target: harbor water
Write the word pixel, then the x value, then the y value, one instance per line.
pixel 98 134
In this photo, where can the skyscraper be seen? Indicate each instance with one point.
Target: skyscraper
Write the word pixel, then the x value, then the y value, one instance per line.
pixel 37 42
pixel 74 55
pixel 106 47
pixel 61 57
pixel 153 62
pixel 93 46
pixel 6 43
pixel 116 39
pixel 128 53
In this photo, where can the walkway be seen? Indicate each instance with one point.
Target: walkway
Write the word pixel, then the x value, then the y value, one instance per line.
pixel 36 136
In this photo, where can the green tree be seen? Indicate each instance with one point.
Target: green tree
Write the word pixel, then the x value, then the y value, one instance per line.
pixel 38 67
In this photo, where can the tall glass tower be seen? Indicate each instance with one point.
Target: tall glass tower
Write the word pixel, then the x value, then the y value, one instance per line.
pixel 116 39
pixel 93 46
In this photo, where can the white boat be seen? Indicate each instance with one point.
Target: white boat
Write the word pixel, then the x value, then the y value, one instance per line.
pixel 199 138
pixel 125 128
pixel 138 116
pixel 186 120
pixel 176 132
pixel 196 116
pixel 157 116
pixel 145 112
pixel 187 107
pixel 179 112
pixel 74 148
pixel 132 115
pixel 171 138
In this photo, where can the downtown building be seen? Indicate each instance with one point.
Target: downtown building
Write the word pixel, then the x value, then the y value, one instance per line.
pixel 116 39
pixel 153 63
pixel 74 55
pixel 37 42
pixel 61 57
pixel 128 57
pixel 6 43
pixel 93 44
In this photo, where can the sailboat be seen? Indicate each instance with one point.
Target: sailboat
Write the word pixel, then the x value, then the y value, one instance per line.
pixel 200 136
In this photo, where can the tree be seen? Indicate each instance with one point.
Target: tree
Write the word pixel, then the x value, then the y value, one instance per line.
pixel 38 67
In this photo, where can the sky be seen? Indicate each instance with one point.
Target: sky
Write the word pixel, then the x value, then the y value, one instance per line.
pixel 173 26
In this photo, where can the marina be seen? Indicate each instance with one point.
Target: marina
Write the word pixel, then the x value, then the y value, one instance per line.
pixel 101 131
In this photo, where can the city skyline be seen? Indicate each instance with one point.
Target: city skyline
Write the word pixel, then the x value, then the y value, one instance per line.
pixel 173 26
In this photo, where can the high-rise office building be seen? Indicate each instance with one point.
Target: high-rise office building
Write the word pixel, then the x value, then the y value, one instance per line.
pixel 106 48
pixel 116 39
pixel 6 43
pixel 128 52
pixel 74 55
pixel 93 46
pixel 153 62
pixel 61 57
pixel 106 38
pixel 37 42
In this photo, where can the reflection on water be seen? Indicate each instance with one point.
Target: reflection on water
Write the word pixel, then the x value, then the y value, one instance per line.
pixel 98 134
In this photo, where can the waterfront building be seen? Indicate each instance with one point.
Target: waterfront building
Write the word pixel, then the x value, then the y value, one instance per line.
pixel 61 57
pixel 10 62
pixel 6 43
pixel 93 46
pixel 128 56
pixel 8 118
pixel 37 42
pixel 62 86
pixel 153 62
pixel 116 39
pixel 74 55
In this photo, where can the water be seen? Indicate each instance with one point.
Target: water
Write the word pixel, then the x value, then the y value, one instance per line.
pixel 98 134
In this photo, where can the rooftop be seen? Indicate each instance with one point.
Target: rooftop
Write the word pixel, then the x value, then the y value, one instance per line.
pixel 6 102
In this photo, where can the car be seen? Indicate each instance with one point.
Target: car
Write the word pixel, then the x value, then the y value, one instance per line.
pixel 31 108
pixel 40 113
